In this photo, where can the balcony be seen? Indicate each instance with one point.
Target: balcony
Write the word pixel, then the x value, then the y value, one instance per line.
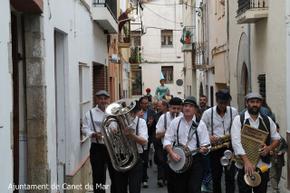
pixel 124 36
pixel 187 38
pixel 250 11
pixel 28 6
pixel 104 12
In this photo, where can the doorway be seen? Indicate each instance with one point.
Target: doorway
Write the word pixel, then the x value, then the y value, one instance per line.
pixel 60 46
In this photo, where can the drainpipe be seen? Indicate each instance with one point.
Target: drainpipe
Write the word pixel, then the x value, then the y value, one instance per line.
pixel 250 64
pixel 228 43
pixel 287 53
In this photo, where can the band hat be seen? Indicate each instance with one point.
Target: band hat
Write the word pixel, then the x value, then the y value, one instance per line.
pixel 190 100
pixel 223 95
pixel 175 101
pixel 253 95
pixel 102 93
pixel 162 76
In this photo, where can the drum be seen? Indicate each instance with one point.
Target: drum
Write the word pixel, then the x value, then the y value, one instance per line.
pixel 185 159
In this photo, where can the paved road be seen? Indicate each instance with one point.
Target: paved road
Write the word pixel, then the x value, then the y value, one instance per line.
pixel 152 182
pixel 153 187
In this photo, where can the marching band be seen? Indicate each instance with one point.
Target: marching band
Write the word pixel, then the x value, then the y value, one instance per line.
pixel 240 145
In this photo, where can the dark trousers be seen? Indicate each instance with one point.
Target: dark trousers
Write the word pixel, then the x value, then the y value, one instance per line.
pixel 217 170
pixel 145 159
pixel 100 160
pixel 160 157
pixel 133 178
pixel 170 177
pixel 244 188
pixel 190 180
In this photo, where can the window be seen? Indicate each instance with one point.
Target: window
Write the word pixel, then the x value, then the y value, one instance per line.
pixel 167 72
pixel 166 38
pixel 84 92
pixel 262 84
pixel 136 38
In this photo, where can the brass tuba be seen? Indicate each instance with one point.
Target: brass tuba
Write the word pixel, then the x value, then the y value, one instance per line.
pixel 123 151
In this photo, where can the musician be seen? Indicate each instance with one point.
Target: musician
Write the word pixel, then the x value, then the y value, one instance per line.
pixel 218 120
pixel 260 121
pixel 137 132
pixel 175 107
pixel 99 156
pixel 185 130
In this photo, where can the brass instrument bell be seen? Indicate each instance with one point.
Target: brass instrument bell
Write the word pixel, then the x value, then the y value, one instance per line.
pixel 226 159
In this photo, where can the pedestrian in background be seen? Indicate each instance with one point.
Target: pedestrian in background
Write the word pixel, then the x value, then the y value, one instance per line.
pixel 149 117
pixel 278 161
pixel 203 104
pixel 148 95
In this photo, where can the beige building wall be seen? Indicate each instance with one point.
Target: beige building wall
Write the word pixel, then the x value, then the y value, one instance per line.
pixel 261 46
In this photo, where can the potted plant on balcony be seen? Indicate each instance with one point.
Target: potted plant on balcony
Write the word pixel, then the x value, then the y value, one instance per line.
pixel 126 38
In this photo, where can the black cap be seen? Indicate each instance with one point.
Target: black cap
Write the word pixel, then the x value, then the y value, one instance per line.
pixel 175 101
pixel 223 95
pixel 190 100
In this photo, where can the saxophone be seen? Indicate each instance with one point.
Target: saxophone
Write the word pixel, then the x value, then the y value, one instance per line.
pixel 224 141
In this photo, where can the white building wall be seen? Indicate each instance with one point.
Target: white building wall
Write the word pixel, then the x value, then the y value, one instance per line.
pixel 155 18
pixel 6 131
pixel 86 43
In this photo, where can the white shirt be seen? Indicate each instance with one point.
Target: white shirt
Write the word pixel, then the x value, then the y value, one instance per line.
pixel 160 126
pixel 221 125
pixel 142 131
pixel 236 134
pixel 88 129
pixel 171 133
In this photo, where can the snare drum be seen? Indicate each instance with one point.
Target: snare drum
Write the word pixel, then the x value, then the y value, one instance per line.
pixel 185 159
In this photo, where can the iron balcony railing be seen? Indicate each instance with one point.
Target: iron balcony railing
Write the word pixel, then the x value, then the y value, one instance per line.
pixel 110 4
pixel 244 5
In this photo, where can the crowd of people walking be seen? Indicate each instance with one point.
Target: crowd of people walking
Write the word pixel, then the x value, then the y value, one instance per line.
pixel 201 133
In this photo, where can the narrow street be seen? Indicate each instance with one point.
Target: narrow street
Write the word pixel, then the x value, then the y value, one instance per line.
pixel 64 62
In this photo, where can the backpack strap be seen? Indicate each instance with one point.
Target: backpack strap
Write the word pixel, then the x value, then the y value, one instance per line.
pixel 265 120
pixel 242 119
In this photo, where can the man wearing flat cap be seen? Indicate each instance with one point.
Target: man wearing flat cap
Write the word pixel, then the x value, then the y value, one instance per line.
pixel 99 156
pixel 255 119
pixel 218 120
pixel 187 131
